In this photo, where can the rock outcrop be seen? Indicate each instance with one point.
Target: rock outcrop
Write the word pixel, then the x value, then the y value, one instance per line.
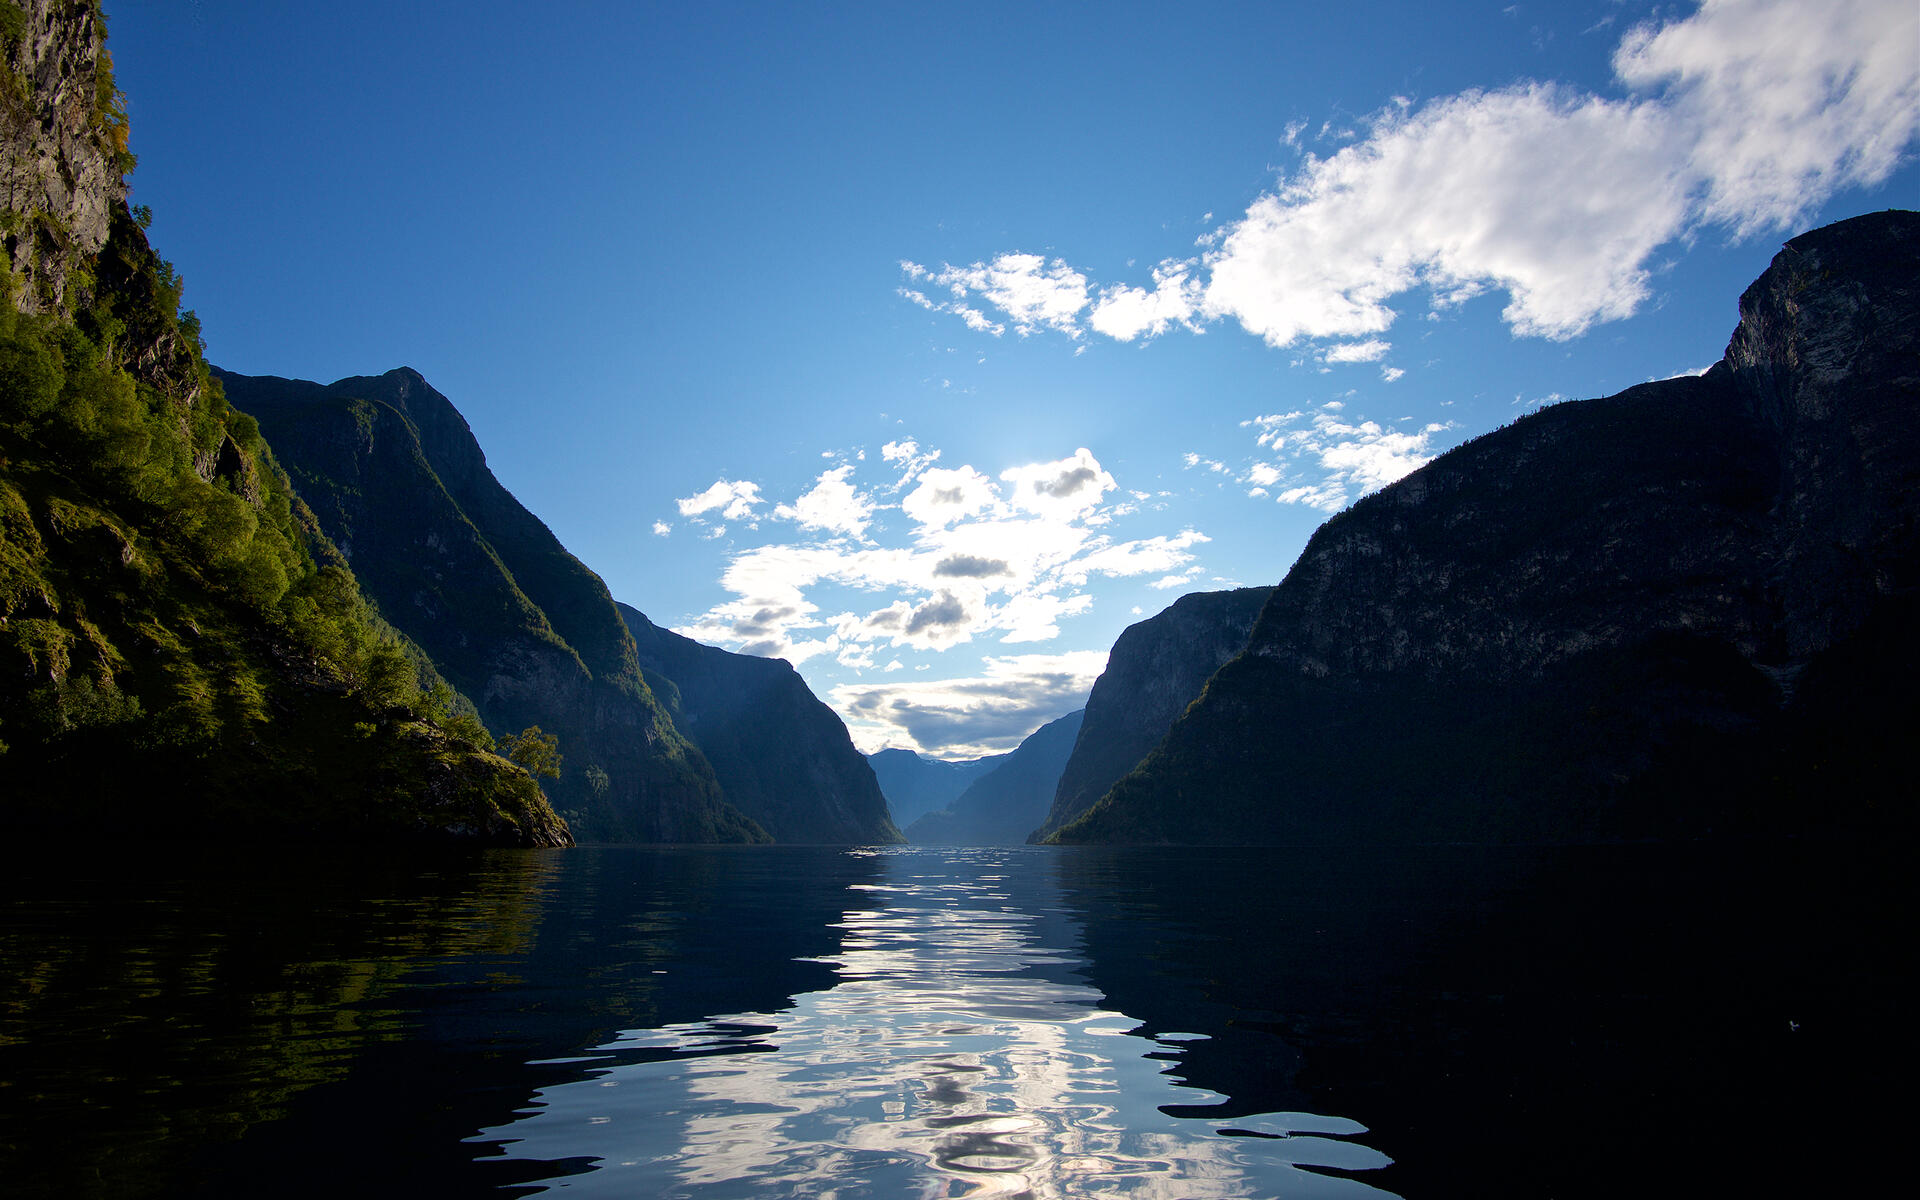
pixel 182 654
pixel 782 757
pixel 1684 610
pixel 63 148
pixel 1004 806
pixel 515 622
pixel 1155 670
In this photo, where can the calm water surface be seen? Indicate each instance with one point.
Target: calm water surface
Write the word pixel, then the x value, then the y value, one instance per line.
pixel 718 1022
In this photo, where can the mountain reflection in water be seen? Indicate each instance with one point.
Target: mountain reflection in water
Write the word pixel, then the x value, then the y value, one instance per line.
pixel 810 1021
pixel 959 1051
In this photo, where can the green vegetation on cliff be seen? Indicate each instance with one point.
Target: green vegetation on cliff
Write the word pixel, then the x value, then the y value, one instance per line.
pixel 397 481
pixel 181 651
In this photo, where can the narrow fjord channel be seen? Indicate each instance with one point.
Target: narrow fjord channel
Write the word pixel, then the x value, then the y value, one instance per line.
pixel 1016 1021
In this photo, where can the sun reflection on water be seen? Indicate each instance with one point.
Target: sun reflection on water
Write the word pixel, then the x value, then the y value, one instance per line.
pixel 957 1054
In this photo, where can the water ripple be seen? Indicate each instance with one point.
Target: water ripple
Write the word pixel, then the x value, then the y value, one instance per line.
pixel 957 1054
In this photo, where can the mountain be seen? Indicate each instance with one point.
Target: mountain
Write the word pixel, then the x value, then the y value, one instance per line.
pixel 915 785
pixel 1006 804
pixel 782 757
pixel 1156 668
pixel 183 655
pixel 1685 610
pixel 395 478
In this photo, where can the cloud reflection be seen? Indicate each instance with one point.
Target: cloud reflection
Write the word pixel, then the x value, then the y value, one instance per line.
pixel 957 1054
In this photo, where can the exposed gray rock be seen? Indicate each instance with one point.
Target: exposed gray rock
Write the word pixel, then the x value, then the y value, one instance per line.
pixel 62 146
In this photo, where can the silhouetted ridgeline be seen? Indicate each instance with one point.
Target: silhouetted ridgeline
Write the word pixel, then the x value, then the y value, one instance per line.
pixel 1006 804
pixel 782 757
pixel 1156 668
pixel 182 654
pixel 1687 609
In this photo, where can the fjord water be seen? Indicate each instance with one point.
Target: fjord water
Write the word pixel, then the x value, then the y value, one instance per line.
pixel 776 1021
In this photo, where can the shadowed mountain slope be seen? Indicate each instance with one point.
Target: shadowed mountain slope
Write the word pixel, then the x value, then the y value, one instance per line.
pixel 1156 668
pixel 513 620
pixel 782 757
pixel 1683 610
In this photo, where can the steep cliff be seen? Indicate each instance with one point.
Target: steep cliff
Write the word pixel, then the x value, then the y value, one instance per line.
pixel 1004 806
pixel 181 653
pixel 1156 668
pixel 63 149
pixel 782 757
pixel 1687 609
pixel 396 479
pixel 915 785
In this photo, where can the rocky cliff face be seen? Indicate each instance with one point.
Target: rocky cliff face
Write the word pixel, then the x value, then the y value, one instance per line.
pixel 1156 669
pixel 1685 609
pixel 63 148
pixel 512 620
pixel 182 656
pixel 915 786
pixel 782 757
pixel 1004 806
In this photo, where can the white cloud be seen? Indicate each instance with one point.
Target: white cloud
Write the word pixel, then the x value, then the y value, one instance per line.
pixel 1124 313
pixel 1272 428
pixel 832 505
pixel 1372 350
pixel 946 495
pixel 1066 490
pixel 1746 114
pixel 976 320
pixel 1034 616
pixel 965 718
pixel 1784 102
pixel 1034 293
pixel 1555 196
pixel 661 529
pixel 1344 459
pixel 905 454
pixel 1391 374
pixel 1007 558
pixel 1142 557
pixel 734 501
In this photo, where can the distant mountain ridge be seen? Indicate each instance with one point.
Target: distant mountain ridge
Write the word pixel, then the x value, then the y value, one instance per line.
pixel 1688 609
pixel 915 785
pixel 782 757
pixel 1005 805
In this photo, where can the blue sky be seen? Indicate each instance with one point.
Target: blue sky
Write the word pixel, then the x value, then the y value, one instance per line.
pixel 931 346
